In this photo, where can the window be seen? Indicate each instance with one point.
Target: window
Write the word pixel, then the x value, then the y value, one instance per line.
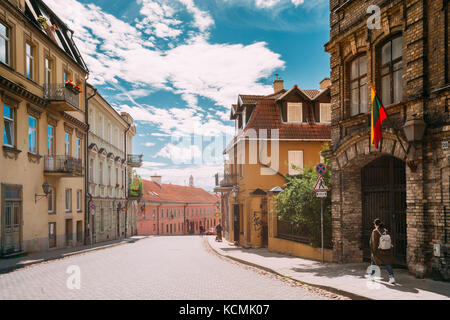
pixel 295 158
pixel 51 201
pixel 67 144
pixel 48 71
pixel 391 71
pixel 79 193
pixel 91 170
pixel 29 61
pixel 358 86
pixel 4 44
pixel 325 112
pixel 101 173
pixel 117 176
pixel 32 134
pixel 8 131
pixel 51 140
pixel 67 76
pixel 68 200
pixel 295 112
pixel 78 150
pixel 109 176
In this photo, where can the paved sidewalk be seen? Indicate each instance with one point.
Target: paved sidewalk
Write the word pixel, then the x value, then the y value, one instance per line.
pixel 347 279
pixel 11 264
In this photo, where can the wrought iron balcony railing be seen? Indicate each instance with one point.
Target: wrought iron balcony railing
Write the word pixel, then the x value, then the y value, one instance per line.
pixel 226 180
pixel 134 160
pixel 63 165
pixel 66 98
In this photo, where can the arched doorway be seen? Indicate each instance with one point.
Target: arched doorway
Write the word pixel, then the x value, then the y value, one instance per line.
pixel 384 196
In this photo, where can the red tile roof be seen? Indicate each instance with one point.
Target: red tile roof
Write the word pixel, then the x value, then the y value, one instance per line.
pixel 267 116
pixel 176 194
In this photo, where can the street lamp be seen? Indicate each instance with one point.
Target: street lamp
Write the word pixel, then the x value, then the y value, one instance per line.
pixel 234 192
pixel 46 187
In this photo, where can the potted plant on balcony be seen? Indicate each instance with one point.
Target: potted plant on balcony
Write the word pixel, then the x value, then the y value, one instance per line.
pixel 117 185
pixel 73 87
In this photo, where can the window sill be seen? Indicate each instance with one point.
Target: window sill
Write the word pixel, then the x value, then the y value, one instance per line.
pixel 34 157
pixel 11 152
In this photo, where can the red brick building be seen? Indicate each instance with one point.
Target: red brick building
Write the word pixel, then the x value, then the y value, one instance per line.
pixel 169 209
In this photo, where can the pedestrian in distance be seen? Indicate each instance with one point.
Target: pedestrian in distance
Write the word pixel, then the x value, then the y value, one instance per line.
pixel 381 245
pixel 202 230
pixel 219 233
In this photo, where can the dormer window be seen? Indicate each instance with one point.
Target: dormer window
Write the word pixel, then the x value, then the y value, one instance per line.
pixel 294 112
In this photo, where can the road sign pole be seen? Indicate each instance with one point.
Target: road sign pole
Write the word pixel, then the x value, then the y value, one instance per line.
pixel 321 226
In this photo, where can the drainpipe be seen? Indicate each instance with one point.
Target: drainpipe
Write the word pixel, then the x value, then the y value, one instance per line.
pixel 126 184
pixel 87 216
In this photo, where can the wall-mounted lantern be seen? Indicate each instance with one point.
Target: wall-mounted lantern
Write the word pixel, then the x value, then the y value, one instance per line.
pixel 47 188
pixel 414 131
pixel 234 192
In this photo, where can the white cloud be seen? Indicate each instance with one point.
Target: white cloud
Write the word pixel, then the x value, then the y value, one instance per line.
pixel 149 144
pixel 115 50
pixel 266 3
pixel 180 155
pixel 149 164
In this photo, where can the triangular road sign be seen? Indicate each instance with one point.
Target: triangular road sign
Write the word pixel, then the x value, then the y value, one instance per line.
pixel 320 185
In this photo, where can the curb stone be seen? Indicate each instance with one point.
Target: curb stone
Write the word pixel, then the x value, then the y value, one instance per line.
pixel 347 294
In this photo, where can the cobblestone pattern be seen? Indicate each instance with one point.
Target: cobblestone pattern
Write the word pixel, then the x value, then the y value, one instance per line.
pixel 161 268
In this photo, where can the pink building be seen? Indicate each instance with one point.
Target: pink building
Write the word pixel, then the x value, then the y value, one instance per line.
pixel 169 209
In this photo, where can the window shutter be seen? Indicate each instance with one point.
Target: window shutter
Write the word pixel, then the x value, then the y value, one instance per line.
pixel 325 112
pixel 296 158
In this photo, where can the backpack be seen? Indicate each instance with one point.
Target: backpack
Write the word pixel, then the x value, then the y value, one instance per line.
pixel 385 241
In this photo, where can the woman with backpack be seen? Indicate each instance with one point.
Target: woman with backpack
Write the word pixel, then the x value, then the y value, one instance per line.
pixel 380 245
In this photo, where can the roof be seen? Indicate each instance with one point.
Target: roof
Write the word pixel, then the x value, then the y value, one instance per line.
pixel 176 194
pixel 250 99
pixel 61 35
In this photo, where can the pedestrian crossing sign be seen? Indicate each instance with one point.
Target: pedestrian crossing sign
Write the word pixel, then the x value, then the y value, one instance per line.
pixel 320 185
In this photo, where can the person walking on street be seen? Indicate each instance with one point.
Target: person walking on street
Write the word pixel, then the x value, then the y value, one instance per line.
pixel 219 233
pixel 380 245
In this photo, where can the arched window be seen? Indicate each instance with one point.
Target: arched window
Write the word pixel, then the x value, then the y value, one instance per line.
pixel 358 86
pixel 391 71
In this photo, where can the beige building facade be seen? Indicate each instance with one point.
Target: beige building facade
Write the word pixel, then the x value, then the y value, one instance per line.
pixel 42 85
pixel 110 164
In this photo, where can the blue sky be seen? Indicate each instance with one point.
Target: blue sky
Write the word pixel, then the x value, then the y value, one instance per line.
pixel 177 66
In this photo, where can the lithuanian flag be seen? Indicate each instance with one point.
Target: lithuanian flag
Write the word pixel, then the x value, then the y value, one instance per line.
pixel 378 116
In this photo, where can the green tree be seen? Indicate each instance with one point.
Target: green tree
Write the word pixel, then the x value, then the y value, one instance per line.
pixel 298 204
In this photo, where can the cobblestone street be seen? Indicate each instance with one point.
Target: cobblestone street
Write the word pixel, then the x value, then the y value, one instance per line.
pixel 166 268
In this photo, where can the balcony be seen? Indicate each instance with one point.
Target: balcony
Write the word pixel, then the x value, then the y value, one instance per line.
pixel 61 97
pixel 65 166
pixel 136 190
pixel 225 182
pixel 134 160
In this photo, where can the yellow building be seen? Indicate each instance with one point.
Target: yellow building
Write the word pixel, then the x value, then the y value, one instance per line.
pixel 273 132
pixel 42 85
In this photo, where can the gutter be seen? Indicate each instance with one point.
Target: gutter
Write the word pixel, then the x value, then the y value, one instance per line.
pixel 87 216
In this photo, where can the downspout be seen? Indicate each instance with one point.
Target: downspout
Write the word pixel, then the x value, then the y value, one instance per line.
pixel 126 184
pixel 87 216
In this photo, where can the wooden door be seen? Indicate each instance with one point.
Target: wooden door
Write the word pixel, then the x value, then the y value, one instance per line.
pixel 52 235
pixel 236 222
pixel 12 224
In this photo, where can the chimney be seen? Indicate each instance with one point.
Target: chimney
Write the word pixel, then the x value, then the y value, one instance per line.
pixel 325 84
pixel 157 179
pixel 278 84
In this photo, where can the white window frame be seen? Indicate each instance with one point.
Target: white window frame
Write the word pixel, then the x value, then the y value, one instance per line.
pixel 32 131
pixel 7 39
pixel 29 61
pixel 328 112
pixel 296 115
pixel 12 126
pixel 78 148
pixel 91 170
pixel 101 173
pixel 51 200
pixel 296 158
pixel 79 200
pixel 48 70
pixel 68 200
pixel 67 144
